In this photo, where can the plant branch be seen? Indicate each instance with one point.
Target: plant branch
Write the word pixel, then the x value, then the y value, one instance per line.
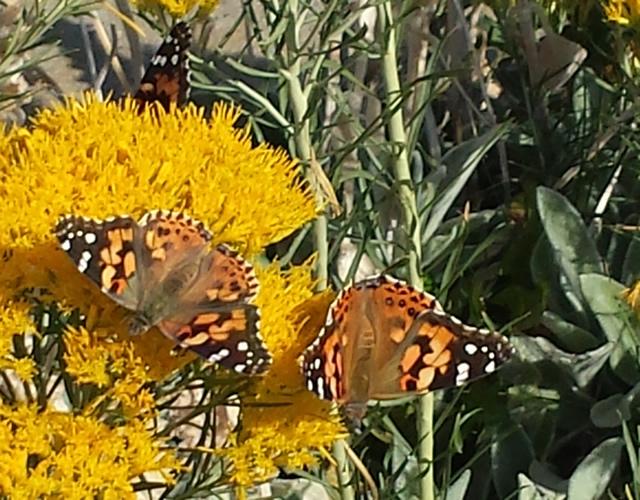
pixel 410 222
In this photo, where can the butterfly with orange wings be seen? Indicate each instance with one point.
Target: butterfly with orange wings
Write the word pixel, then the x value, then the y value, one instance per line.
pixel 383 339
pixel 166 79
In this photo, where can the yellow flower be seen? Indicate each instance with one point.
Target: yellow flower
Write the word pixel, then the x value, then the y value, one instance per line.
pixel 92 359
pixel 14 319
pixel 98 159
pixel 177 8
pixel 59 455
pixel 632 296
pixel 283 423
pixel 624 12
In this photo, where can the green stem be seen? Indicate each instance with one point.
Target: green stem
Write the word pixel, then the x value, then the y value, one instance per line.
pixel 304 151
pixel 344 470
pixel 410 223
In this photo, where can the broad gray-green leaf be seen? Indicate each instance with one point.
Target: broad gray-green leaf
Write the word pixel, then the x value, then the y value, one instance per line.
pixel 574 250
pixel 567 233
pixel 591 478
pixel 612 411
pixel 460 163
pixel 528 490
pixel 570 336
pixel 582 367
pixel 458 489
pixel 617 321
pixel 548 274
pixel 511 453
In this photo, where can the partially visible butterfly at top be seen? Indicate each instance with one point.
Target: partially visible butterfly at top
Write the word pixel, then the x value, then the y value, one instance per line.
pixel 383 339
pixel 166 79
pixel 163 269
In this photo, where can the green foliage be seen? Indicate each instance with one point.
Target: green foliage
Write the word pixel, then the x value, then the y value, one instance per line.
pixel 524 205
pixel 527 216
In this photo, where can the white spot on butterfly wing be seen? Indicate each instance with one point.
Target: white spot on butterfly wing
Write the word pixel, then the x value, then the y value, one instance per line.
pixel 66 245
pixel 320 387
pixel 220 355
pixel 470 349
pixel 490 367
pixel 83 265
pixel 240 367
pixel 90 238
pixel 462 370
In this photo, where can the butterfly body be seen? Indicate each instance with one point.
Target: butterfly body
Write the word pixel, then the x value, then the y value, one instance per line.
pixel 383 339
pixel 163 270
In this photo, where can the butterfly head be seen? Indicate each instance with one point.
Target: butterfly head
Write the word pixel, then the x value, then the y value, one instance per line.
pixel 139 324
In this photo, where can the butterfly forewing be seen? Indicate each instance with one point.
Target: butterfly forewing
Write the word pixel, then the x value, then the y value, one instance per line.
pixel 441 352
pixel 105 251
pixel 166 80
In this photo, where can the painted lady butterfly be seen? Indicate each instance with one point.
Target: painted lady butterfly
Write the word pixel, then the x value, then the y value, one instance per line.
pixel 162 268
pixel 166 80
pixel 383 339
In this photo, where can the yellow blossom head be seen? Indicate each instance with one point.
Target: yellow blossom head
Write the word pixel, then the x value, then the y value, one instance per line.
pixel 49 454
pixel 100 159
pixel 624 12
pixel 177 8
pixel 283 423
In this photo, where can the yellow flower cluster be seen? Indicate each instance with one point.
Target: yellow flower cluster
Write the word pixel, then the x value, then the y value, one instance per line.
pixel 177 8
pixel 99 159
pixel 49 454
pixel 632 296
pixel 15 319
pixel 624 12
pixel 283 421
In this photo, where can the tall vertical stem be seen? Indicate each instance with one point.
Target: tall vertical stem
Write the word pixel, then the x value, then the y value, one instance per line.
pixel 410 222
pixel 299 107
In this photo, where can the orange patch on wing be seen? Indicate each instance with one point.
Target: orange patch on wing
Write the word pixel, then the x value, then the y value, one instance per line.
pixel 205 319
pixel 106 277
pixel 159 254
pixel 129 264
pixel 411 355
pixel 118 286
pixel 439 343
pixel 170 86
pixel 397 334
pixel 426 376
pixel 198 339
